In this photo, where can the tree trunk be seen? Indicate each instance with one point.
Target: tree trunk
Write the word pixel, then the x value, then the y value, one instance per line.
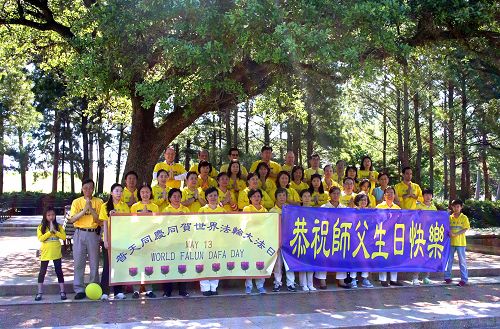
pixel 229 137
pixel 399 131
pixel 72 157
pixel 418 158
pixel 63 153
pixel 101 140
pixel 121 130
pixel 235 127
pixel 465 177
pixel 431 147
pixel 2 144
pixel 188 153
pixel 91 156
pixel 478 185
pixel 247 123
pixel 384 148
pixel 484 162
pixel 22 160
pixel 406 119
pixel 85 137
pixel 309 133
pixel 55 154
pixel 445 153
pixel 451 142
pixel 267 133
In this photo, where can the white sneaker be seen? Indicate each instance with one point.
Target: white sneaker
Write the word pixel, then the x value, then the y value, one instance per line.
pixel 415 282
pixel 120 295
pixel 311 288
pixel 305 288
pixel 104 297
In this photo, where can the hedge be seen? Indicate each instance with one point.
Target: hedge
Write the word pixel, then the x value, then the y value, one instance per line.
pixel 481 214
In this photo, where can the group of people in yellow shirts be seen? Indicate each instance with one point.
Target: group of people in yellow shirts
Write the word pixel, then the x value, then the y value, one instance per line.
pixel 266 186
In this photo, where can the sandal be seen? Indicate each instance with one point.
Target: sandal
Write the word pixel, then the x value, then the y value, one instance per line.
pixel 38 297
pixel 63 295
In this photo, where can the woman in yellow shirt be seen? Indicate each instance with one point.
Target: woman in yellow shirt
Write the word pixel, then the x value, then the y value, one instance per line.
pixel 361 202
pixel 209 287
pixel 265 182
pixel 144 206
pixel 283 181
pixel 328 181
pixel 236 182
pixel 49 232
pixel 204 179
pixel 318 194
pixel 227 197
pixel 297 177
pixel 352 172
pixel 253 184
pixel 366 171
pixel 192 196
pixel 255 197
pixel 347 196
pixel 364 188
pixel 160 190
pixel 114 205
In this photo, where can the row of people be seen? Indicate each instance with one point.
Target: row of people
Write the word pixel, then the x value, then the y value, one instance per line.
pixel 89 214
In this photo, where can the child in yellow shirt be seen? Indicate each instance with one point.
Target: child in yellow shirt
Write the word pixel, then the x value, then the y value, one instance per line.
pixel 459 224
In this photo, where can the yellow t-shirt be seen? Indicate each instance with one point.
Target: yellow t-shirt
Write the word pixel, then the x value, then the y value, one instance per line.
pixel 121 208
pixel 269 186
pixel 310 171
pixel 373 201
pixel 240 184
pixel 187 194
pixel 251 208
pixel 158 196
pixel 210 182
pixel 225 167
pixel 86 221
pixel 384 205
pixel 322 199
pixel 138 207
pixel 299 187
pixel 338 179
pixel 422 206
pixel 285 167
pixel 362 174
pixel 206 208
pixel 177 169
pixel 345 199
pixel 127 194
pixel 332 184
pixel 227 206
pixel 457 224
pixel 212 173
pixel 181 209
pixel 408 203
pixel 243 200
pixel 275 209
pixel 274 166
pixel 292 195
pixel 51 246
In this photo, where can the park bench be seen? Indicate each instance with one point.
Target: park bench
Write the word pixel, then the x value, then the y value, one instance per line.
pixel 5 212
pixel 69 229
pixel 26 205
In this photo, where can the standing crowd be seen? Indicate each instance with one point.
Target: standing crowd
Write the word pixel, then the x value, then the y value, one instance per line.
pixel 266 186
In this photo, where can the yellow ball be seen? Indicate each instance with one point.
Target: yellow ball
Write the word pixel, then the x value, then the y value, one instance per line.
pixel 93 291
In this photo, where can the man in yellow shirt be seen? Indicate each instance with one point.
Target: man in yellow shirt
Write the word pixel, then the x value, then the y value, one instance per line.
pixel 289 162
pixel 234 154
pixel 459 224
pixel 408 193
pixel 314 169
pixel 266 154
pixel 129 195
pixel 339 173
pixel 175 170
pixel 203 156
pixel 84 215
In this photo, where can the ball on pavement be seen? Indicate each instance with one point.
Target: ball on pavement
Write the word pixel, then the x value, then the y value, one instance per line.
pixel 93 291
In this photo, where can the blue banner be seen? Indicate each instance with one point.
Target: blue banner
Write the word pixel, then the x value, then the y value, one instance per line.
pixel 364 240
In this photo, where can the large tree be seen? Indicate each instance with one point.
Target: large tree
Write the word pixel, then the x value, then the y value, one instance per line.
pixel 193 57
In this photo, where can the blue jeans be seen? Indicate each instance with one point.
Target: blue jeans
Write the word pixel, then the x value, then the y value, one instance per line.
pixel 461 262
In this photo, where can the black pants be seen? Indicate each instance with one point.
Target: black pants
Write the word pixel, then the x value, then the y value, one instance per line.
pixel 169 286
pixel 105 274
pixel 57 266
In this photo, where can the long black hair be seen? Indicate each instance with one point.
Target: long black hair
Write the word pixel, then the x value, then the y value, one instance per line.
pixel 321 189
pixel 45 222
pixel 109 204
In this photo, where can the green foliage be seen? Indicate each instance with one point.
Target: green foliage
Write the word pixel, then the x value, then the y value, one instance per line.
pixel 481 214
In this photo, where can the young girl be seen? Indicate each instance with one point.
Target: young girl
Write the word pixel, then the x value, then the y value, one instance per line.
pixel 366 171
pixel 297 177
pixel 348 195
pixel 328 181
pixel 209 287
pixel 364 187
pixel 145 205
pixel 255 197
pixel 49 232
pixel 389 195
pixel 114 205
pixel 227 197
pixel 160 190
pixel 175 206
pixel 236 181
pixel 378 192
pixel 281 196
pixel 361 202
pixel 352 172
pixel 204 179
pixel 253 184
pixel 283 181
pixel 306 278
pixel 192 196
pixel 318 195
pixel 265 182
